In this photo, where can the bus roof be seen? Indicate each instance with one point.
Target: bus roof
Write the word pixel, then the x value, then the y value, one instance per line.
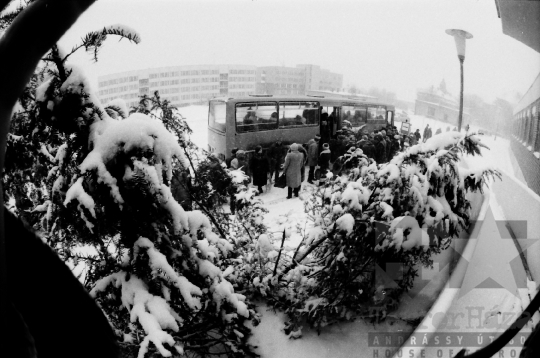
pixel 323 100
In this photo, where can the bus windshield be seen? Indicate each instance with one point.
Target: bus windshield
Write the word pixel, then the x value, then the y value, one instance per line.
pixel 217 115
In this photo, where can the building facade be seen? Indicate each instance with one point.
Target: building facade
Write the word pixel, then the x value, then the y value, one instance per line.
pixel 181 85
pixel 187 85
pixel 520 20
pixel 439 105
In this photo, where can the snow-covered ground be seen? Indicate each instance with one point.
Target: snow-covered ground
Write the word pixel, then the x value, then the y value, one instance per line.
pixel 344 339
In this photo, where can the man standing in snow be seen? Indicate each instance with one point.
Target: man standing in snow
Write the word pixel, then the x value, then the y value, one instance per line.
pixel 313 156
pixel 324 161
pixel 417 135
pixel 325 128
pixel 380 149
pixel 439 131
pixel 259 167
pixel 426 132
pixel 275 157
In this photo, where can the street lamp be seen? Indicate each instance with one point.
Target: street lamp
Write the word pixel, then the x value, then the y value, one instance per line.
pixel 460 36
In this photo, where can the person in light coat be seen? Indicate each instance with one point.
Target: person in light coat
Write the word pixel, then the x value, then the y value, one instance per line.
pixel 292 168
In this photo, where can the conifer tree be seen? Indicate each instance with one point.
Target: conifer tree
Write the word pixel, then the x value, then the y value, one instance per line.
pixel 95 181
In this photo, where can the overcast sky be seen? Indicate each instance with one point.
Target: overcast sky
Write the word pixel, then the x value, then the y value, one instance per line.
pixel 397 45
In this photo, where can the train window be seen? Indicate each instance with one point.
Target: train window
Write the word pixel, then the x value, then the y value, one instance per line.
pixel 294 114
pixel 217 115
pixel 354 114
pixel 255 117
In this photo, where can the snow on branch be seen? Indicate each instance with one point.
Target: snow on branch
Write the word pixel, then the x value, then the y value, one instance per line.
pixel 158 262
pixel 138 132
pixel 93 41
pixel 152 312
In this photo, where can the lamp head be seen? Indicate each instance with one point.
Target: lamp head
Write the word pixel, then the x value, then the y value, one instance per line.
pixel 460 36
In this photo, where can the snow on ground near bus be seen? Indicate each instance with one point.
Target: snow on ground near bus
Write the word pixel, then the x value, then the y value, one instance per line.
pixel 348 339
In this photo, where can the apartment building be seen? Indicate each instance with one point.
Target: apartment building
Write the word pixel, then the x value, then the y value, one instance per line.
pixel 320 79
pixel 181 85
pixel 187 85
pixel 297 80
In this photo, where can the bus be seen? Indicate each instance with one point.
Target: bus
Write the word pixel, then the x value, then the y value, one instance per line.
pixel 246 122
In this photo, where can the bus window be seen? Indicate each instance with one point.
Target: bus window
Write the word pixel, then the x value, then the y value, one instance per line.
pixel 354 114
pixel 298 114
pixel 254 117
pixel 372 113
pixel 217 115
pixel 381 112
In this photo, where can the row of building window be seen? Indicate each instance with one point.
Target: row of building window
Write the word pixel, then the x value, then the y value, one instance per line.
pixel 288 79
pixel 241 86
pixel 118 81
pixel 241 79
pixel 118 89
pixel 289 73
pixel 164 74
pixel 199 88
pixel 199 80
pixel 123 96
pixel 164 83
pixel 242 72
pixel 527 127
pixel 169 90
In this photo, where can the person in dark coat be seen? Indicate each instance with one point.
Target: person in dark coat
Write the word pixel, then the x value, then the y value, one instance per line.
pixel 417 135
pixel 292 168
pixel 426 132
pixel 439 131
pixel 324 161
pixel 380 149
pixel 368 148
pixel 275 158
pixel 325 128
pixel 396 146
pixel 430 133
pixel 233 155
pixel 313 158
pixel 259 167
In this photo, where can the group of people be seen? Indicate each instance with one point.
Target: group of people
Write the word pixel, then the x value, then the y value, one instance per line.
pixel 325 152
pixel 265 168
pixel 428 132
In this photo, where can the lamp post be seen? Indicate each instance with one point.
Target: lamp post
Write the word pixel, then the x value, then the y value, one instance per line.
pixel 460 36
